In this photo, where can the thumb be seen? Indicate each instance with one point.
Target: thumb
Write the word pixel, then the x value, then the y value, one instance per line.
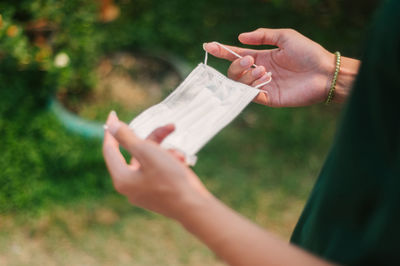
pixel 264 36
pixel 125 136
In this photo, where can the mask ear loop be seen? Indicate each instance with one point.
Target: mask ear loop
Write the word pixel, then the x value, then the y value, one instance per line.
pixel 206 55
pixel 239 56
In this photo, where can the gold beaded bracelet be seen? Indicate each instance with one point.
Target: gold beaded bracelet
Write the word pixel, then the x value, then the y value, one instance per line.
pixel 331 92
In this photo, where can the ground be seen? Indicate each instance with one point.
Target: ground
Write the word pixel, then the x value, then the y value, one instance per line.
pixel 263 165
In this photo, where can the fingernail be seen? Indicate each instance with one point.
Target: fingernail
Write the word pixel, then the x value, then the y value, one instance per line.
pixel 113 123
pixel 170 125
pixel 210 47
pixel 245 61
pixel 257 71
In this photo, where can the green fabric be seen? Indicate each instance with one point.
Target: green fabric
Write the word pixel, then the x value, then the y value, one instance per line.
pixel 353 214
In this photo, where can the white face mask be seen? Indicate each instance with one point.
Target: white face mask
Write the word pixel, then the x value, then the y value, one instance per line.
pixel 202 105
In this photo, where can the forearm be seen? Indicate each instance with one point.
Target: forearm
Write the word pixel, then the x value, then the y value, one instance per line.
pixel 347 75
pixel 238 241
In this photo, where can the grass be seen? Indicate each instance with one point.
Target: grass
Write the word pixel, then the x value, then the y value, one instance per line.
pixel 109 232
pixel 105 232
pixel 262 165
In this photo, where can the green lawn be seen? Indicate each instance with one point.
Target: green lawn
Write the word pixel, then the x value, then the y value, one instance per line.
pixel 262 165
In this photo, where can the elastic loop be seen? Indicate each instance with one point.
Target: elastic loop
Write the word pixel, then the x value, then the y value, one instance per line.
pixel 266 82
pixel 239 56
pixel 206 55
pixel 232 52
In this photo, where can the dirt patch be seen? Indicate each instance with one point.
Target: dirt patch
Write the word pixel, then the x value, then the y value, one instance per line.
pixel 127 83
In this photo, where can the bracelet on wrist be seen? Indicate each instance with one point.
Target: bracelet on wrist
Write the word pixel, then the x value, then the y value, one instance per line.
pixel 331 92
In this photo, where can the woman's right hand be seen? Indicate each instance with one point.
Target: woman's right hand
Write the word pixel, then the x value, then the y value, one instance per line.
pixel 302 70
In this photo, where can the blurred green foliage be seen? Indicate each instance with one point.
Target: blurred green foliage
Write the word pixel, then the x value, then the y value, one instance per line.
pixel 41 163
pixel 181 26
pixel 59 38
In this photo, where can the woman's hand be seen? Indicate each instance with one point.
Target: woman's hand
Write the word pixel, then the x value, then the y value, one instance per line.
pixel 155 179
pixel 302 70
pixel 159 181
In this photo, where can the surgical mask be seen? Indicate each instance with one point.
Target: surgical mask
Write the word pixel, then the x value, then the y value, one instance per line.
pixel 201 106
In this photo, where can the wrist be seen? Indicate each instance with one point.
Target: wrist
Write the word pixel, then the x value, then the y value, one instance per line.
pixel 194 206
pixel 214 224
pixel 194 198
pixel 347 74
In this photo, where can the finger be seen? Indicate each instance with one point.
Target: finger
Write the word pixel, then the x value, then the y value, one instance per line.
pixel 265 36
pixel 177 155
pixel 264 78
pixel 125 136
pixel 159 134
pixel 216 50
pixel 263 96
pixel 239 66
pixel 134 164
pixel 252 75
pixel 115 162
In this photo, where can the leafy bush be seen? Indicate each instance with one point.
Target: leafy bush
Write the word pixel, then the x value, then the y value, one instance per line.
pixel 57 38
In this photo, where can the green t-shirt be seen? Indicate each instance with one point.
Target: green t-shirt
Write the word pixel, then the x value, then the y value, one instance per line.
pixel 353 214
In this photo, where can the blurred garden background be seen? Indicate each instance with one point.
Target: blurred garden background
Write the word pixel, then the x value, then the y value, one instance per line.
pixel 57 203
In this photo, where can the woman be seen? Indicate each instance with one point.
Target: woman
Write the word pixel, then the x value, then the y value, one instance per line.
pixel 353 213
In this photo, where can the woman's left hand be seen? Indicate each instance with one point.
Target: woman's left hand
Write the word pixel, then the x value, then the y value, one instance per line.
pixel 155 179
